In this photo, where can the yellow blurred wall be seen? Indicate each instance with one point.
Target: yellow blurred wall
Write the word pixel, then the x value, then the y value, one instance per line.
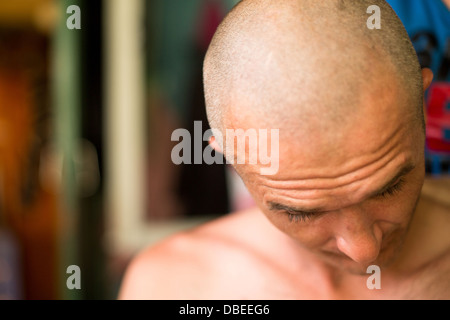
pixel 28 13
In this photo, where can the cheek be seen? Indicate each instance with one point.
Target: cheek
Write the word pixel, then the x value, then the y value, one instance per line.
pixel 393 212
pixel 399 208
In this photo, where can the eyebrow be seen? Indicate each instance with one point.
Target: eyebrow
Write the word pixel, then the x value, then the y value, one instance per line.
pixel 295 210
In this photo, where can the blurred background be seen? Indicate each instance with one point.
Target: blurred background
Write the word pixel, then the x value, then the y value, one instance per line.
pixel 86 117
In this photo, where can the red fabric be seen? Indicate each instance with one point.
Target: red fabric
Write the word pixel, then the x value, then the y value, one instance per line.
pixel 438 117
pixel 210 18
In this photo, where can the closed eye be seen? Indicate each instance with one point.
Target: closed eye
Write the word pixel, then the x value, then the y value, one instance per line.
pixel 300 216
pixel 391 190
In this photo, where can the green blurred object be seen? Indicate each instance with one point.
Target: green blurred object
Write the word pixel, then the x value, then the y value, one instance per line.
pixel 66 91
pixel 172 26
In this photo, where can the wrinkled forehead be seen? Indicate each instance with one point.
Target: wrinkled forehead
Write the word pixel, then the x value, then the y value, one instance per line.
pixel 321 145
pixel 362 147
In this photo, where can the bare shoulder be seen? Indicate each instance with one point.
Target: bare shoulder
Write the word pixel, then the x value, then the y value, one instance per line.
pixel 164 271
pixel 192 264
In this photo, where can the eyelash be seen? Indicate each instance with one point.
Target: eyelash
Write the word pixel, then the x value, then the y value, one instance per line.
pixel 392 190
pixel 299 217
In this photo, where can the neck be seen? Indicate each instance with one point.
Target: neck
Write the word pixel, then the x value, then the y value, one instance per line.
pixel 425 240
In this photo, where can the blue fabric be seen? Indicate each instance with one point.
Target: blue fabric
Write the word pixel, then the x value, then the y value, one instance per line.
pixel 428 25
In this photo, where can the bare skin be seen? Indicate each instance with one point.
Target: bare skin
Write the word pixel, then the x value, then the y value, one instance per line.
pixel 241 256
pixel 262 254
pixel 347 194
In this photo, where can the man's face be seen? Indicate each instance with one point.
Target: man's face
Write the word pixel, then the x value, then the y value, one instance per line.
pixel 347 194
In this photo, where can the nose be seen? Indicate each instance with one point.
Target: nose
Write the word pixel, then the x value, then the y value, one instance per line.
pixel 358 237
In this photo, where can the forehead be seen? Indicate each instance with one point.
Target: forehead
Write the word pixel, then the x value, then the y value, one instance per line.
pixel 343 173
pixel 322 165
pixel 321 134
pixel 336 150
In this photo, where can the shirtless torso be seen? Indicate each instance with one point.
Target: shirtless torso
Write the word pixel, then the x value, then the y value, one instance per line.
pixel 350 160
pixel 242 256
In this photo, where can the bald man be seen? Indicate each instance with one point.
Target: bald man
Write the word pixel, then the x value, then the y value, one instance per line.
pixel 348 103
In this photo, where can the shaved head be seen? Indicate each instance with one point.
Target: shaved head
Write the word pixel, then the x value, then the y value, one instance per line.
pixel 348 103
pixel 291 63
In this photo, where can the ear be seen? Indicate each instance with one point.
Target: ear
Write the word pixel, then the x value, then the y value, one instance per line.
pixel 213 143
pixel 427 76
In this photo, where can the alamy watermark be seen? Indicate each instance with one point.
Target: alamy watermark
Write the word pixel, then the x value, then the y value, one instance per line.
pixel 74 280
pixel 374 281
pixel 74 20
pixel 374 21
pixel 239 146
